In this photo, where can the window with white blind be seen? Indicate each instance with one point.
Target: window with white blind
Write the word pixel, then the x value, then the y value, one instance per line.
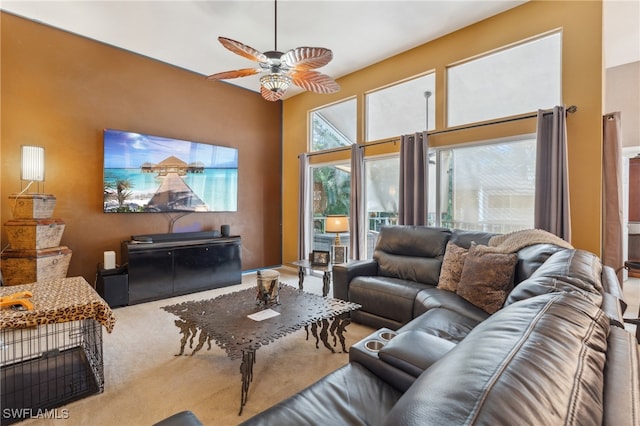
pixel 333 126
pixel 400 109
pixel 516 80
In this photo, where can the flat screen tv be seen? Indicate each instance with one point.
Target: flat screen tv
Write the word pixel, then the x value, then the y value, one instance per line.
pixel 145 173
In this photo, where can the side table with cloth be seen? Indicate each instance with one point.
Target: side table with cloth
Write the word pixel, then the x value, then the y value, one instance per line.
pixel 52 355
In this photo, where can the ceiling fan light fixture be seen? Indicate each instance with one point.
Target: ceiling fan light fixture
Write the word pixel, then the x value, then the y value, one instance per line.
pixel 281 70
pixel 275 82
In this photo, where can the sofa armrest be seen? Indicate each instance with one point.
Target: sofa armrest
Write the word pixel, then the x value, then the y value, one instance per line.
pixel 345 272
pixel 621 380
pixel 612 308
pixel 612 286
pixel 368 357
pixel 414 351
pixel 350 395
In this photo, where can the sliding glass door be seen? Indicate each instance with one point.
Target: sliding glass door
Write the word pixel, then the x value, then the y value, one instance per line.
pixel 381 196
pixel 331 192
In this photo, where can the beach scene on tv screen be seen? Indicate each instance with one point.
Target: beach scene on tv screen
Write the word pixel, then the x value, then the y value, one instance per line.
pixel 145 173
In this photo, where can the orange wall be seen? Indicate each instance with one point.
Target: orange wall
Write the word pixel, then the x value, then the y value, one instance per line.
pixel 582 76
pixel 60 91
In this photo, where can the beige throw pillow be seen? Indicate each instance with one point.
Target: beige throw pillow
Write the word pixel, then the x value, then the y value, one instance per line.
pixel 487 278
pixel 451 269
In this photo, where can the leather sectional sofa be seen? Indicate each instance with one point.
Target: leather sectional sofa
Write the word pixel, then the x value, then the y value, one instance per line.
pixel 552 350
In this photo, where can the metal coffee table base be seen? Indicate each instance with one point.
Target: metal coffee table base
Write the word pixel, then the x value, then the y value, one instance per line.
pixel 224 320
pixel 246 369
pixel 336 330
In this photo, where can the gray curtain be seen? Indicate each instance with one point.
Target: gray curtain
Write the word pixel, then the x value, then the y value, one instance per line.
pixel 304 207
pixel 552 174
pixel 612 196
pixel 357 220
pixel 412 209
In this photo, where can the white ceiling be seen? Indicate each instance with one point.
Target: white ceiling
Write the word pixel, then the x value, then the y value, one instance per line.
pixel 360 32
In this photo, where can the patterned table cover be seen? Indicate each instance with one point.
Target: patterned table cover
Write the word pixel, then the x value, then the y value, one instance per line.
pixel 56 301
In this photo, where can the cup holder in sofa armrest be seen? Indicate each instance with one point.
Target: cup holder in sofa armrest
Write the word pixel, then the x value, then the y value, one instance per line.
pixel 379 340
pixel 374 345
pixel 414 351
pixel 386 335
pixel 367 357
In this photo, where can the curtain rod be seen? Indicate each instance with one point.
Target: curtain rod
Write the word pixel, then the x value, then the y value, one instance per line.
pixel 327 151
pixel 570 110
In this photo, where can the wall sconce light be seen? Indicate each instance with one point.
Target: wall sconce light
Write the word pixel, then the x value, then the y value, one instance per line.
pixel 32 164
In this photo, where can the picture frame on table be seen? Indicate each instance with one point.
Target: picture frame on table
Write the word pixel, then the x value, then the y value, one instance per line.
pixel 320 257
pixel 339 254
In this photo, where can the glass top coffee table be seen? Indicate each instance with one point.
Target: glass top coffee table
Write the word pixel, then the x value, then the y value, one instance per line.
pixel 225 320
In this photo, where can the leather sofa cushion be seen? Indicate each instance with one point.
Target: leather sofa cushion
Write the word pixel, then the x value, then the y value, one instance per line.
pixel 531 258
pixel 351 395
pixel 464 238
pixel 444 323
pixel 538 361
pixel 412 253
pixel 432 298
pixel 414 351
pixel 392 298
pixel 374 321
pixel 564 271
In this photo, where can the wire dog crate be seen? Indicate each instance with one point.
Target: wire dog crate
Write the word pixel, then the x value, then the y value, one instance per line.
pixel 48 366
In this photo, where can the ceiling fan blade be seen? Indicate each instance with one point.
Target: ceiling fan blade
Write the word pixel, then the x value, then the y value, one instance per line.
pixel 306 58
pixel 245 72
pixel 243 50
pixel 314 81
pixel 271 95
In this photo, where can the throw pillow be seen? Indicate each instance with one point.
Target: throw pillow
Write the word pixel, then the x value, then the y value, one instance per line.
pixel 451 269
pixel 487 278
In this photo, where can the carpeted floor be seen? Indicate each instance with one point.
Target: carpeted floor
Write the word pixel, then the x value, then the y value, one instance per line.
pixel 145 382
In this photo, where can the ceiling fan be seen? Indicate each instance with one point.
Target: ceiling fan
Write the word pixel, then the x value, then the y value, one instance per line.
pixel 282 69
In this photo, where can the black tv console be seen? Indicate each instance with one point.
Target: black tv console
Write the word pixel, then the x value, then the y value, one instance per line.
pixel 167 265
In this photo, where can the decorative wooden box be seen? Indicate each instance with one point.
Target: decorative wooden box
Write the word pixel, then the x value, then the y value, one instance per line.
pixel 28 266
pixel 32 206
pixel 34 234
